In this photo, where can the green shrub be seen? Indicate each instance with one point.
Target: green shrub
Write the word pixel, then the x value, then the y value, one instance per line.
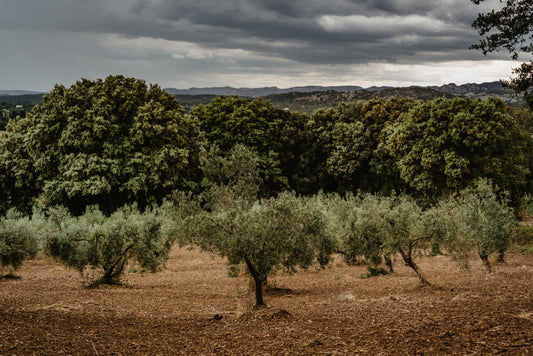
pixel 18 238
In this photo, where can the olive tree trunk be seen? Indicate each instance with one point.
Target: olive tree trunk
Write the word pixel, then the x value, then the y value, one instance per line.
pixel 486 263
pixel 258 281
pixel 388 263
pixel 408 259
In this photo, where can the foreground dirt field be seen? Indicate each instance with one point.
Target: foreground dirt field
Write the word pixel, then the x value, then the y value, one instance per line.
pixel 193 307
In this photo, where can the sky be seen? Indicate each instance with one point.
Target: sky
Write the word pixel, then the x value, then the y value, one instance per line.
pixel 244 43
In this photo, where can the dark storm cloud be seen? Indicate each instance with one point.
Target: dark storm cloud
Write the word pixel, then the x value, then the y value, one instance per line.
pixel 299 39
pixel 333 31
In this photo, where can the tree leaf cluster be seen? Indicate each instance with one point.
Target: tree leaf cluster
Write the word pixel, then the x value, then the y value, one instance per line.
pixel 442 146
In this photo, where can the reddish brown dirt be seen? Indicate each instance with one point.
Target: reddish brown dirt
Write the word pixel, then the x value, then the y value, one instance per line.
pixel 314 312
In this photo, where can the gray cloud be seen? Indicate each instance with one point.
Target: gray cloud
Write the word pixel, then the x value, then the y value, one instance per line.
pixel 236 36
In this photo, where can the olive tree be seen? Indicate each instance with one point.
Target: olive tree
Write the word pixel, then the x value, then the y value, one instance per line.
pixel 284 232
pixel 19 238
pixel 484 221
pixel 349 220
pixel 375 226
pixel 109 243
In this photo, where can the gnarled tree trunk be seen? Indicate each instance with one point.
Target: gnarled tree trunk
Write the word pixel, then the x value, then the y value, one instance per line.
pixel 258 283
pixel 409 261
pixel 388 263
pixel 486 263
pixel 501 255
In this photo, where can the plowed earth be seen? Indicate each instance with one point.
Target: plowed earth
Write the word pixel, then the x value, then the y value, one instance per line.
pixel 193 307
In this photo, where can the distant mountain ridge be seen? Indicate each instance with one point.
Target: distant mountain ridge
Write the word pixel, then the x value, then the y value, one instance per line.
pixel 472 88
pixel 310 98
pixel 257 92
pixel 464 89
pixel 18 92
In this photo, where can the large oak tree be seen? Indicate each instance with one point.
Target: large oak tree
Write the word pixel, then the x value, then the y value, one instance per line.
pixel 106 142
pixel 444 145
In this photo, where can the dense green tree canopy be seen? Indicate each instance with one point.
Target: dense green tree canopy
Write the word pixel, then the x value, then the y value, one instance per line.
pixel 105 142
pixel 345 146
pixel 228 121
pixel 299 154
pixel 18 181
pixel 358 158
pixel 231 120
pixel 442 146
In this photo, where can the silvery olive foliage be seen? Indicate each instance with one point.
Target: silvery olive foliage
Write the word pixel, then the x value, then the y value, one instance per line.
pixel 373 226
pixel 93 240
pixel 484 221
pixel 283 232
pixel 19 238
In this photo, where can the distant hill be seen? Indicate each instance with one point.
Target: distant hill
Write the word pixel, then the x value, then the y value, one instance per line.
pixel 473 88
pixel 309 102
pixel 256 92
pixel 311 98
pixel 18 92
pixel 22 99
pixel 464 89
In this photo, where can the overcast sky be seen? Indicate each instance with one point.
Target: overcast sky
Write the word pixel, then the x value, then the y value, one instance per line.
pixel 244 43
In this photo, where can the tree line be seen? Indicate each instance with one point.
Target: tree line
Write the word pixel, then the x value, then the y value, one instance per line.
pixel 116 141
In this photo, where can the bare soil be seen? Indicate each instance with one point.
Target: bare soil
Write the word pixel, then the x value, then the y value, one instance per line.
pixel 194 307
